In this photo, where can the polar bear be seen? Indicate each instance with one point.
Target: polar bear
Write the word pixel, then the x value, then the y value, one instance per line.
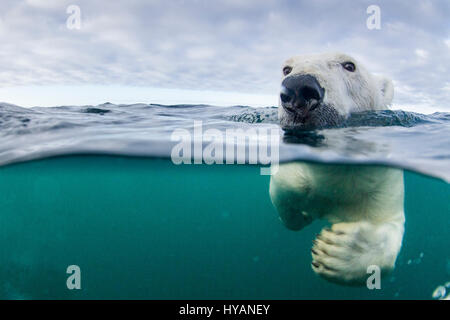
pixel 364 204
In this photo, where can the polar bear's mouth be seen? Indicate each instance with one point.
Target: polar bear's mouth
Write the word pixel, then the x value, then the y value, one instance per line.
pixel 307 114
pixel 318 116
pixel 305 111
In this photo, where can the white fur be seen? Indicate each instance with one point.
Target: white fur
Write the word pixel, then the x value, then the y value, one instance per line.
pixel 345 91
pixel 363 203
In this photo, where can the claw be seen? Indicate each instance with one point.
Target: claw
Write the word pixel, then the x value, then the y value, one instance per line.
pixel 315 264
pixel 313 251
pixel 328 268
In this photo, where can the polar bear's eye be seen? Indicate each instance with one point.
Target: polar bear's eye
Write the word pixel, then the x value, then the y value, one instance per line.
pixel 287 70
pixel 349 66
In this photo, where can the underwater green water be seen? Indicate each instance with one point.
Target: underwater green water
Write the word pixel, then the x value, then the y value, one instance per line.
pixel 143 228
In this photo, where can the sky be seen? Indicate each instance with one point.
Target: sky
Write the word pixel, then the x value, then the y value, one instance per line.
pixel 221 52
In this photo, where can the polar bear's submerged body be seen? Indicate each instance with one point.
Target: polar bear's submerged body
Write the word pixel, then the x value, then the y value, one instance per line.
pixel 363 203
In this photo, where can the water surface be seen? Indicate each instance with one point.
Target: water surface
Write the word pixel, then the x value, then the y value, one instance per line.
pixel 94 186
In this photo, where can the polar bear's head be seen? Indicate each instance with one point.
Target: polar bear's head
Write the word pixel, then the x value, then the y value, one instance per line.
pixel 320 90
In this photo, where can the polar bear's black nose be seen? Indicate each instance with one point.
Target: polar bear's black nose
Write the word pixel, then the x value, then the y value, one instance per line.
pixel 300 90
pixel 286 95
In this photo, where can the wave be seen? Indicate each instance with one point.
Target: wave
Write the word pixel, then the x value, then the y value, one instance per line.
pixel 396 138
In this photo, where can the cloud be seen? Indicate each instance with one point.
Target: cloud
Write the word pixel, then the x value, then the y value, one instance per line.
pixel 221 45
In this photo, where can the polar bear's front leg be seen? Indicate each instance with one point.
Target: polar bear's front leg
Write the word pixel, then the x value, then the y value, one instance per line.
pixel 291 207
pixel 343 252
pixel 290 191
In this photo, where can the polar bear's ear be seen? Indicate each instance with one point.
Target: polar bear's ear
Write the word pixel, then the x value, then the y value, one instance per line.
pixel 387 90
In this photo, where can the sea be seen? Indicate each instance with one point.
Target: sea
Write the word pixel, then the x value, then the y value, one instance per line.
pixel 149 201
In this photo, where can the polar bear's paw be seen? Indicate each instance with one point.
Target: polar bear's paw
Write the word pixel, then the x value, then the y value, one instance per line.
pixel 343 252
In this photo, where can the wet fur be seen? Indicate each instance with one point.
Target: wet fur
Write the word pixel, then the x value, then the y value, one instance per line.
pixel 364 204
